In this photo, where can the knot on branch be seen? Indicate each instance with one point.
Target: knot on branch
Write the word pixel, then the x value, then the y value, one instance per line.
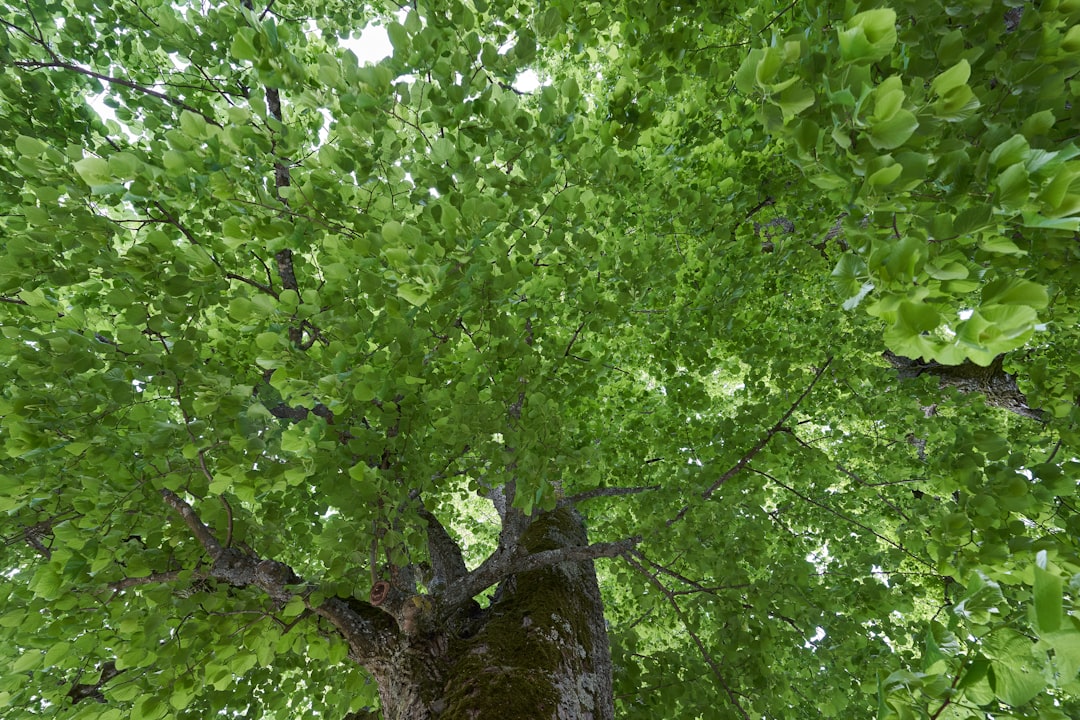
pixel 272 572
pixel 414 613
pixel 234 567
pixel 379 592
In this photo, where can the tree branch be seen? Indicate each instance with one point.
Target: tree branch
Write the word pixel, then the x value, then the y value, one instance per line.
pixel 768 436
pixel 609 492
pixel 693 635
pixel 368 631
pixel 505 562
pixel 843 517
pixel 92 691
pixel 758 447
pixel 201 532
pixel 131 582
pixel 997 386
pixel 447 564
pixel 58 64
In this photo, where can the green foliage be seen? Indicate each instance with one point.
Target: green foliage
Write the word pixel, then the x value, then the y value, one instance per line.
pixel 623 278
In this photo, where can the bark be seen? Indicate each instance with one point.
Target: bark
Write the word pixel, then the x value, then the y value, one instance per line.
pixel 539 650
pixel 997 386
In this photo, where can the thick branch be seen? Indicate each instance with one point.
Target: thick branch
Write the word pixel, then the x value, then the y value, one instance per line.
pixel 367 630
pixel 447 564
pixel 997 386
pixel 504 563
pixel 201 532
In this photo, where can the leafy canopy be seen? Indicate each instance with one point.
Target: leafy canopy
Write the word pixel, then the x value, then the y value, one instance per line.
pixel 299 289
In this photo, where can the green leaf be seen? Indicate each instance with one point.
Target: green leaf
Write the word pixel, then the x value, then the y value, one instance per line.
pixel 746 76
pixel 399 37
pixel 1015 291
pixel 894 132
pixel 243 45
pixel 29 146
pixel 869 36
pixel 794 100
pixel 1000 245
pixel 1048 600
pixel 886 175
pixel 268 340
pixel 415 295
pixel 94 171
pixel 1010 152
pixel 1013 187
pixel 952 79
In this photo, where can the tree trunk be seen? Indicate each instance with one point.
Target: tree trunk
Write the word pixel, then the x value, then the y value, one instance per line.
pixel 539 650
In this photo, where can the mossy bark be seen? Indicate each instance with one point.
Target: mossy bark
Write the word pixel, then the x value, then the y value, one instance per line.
pixel 539 650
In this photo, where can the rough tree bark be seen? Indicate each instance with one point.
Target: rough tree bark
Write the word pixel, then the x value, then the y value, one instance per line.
pixel 998 386
pixel 539 649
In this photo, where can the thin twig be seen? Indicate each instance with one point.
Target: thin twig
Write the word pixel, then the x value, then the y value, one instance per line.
pixel 693 635
pixel 758 447
pixel 573 340
pixel 62 65
pixel 609 492
pixel 772 431
pixel 843 517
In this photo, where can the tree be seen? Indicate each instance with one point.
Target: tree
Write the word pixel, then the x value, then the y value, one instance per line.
pixel 731 372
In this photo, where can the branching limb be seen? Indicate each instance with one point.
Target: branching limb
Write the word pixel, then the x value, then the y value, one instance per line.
pixel 367 630
pixel 504 563
pixel 695 586
pixel 734 470
pixel 758 447
pixel 444 553
pixel 713 665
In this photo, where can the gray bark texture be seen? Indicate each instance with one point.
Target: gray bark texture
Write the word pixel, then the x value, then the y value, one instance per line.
pixel 998 386
pixel 539 650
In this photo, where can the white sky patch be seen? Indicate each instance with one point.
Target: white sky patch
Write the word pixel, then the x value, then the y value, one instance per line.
pixel 811 643
pixel 371 46
pixel 527 81
pixel 820 559
pixel 97 102
pixel 879 574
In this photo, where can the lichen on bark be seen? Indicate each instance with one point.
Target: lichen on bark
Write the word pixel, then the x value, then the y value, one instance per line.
pixel 542 651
